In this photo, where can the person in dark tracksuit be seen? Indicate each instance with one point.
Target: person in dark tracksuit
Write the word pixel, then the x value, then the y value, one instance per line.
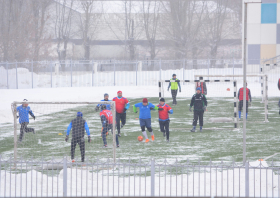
pixel 240 97
pixel 174 88
pixel 106 117
pixel 164 118
pixel 78 126
pixel 23 114
pixel 199 102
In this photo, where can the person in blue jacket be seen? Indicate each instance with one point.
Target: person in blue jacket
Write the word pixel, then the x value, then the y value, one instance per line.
pixel 108 106
pixel 78 126
pixel 23 114
pixel 145 116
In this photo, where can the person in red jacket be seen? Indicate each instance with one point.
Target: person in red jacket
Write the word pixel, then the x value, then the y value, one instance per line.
pixel 240 97
pixel 122 105
pixel 203 87
pixel 164 118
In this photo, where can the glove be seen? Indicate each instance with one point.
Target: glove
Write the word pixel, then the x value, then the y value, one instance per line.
pixel 151 108
pixel 168 111
pixel 97 108
pixel 67 137
pixel 89 139
pixel 33 117
pixel 250 104
pixel 204 108
pixel 124 110
pixel 190 109
pixel 180 90
pixel 136 112
pixel 160 109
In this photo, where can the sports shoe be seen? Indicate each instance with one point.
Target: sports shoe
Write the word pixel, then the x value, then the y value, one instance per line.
pixel 119 134
pixel 73 161
pixel 193 130
pixel 118 146
pixel 107 134
pixel 167 141
pixel 153 137
pixel 105 146
pixel 147 140
pixel 164 134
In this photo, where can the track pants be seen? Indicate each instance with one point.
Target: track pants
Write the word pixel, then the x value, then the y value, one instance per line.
pixel 240 105
pixel 81 142
pixel 120 117
pixel 24 128
pixel 105 129
pixel 174 95
pixel 198 115
pixel 164 127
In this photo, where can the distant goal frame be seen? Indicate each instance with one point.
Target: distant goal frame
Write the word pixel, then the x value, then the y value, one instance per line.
pixel 113 109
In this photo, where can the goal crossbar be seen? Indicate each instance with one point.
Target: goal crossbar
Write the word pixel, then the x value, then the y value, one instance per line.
pixel 14 111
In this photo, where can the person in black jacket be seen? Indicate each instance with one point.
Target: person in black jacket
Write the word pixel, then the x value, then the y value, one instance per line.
pixel 78 126
pixel 199 102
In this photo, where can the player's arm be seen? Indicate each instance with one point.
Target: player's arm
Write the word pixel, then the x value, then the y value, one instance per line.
pixel 31 113
pixel 156 108
pixel 169 86
pixel 135 108
pixel 87 130
pixel 179 85
pixel 18 111
pixel 205 100
pixel 204 88
pixel 238 93
pixel 170 110
pixel 127 105
pixel 249 94
pixel 68 131
pixel 97 107
pixel 192 103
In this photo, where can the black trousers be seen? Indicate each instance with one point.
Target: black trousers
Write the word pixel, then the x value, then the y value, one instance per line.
pixel 81 142
pixel 105 129
pixel 174 95
pixel 120 117
pixel 164 127
pixel 24 128
pixel 240 105
pixel 198 115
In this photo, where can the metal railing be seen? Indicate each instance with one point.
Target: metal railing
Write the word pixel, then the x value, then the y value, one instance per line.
pixel 87 73
pixel 137 178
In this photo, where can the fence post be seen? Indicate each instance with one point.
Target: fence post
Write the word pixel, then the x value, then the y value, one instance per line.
pixel 136 68
pixel 16 77
pixel 71 71
pixel 247 179
pixel 184 65
pixel 65 177
pixel 32 73
pixel 7 75
pixel 51 73
pixel 153 177
pixel 92 73
pixel 114 72
pixel 159 69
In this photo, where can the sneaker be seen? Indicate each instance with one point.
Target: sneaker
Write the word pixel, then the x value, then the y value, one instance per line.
pixel 153 137
pixel 105 146
pixel 164 134
pixel 147 140
pixel 119 135
pixel 193 130
pixel 167 141
pixel 107 133
pixel 73 161
pixel 118 146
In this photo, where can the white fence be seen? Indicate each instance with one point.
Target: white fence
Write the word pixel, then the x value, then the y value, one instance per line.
pixel 137 178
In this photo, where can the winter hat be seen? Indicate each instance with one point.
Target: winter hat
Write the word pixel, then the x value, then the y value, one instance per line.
pixel 119 92
pixel 79 114
pixel 162 100
pixel 173 75
pixel 145 100
pixel 198 88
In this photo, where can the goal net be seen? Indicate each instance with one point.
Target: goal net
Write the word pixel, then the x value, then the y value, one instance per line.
pixel 56 129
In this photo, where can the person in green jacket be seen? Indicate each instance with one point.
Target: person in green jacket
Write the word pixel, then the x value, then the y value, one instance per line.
pixel 174 88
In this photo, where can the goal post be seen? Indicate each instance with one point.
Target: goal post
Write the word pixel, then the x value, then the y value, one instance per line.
pixel 263 82
pixel 52 118
pixel 235 121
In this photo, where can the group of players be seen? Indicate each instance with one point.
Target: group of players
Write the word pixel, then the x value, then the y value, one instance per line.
pixel 79 125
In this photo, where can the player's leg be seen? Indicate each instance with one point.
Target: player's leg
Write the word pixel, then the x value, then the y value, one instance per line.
pixel 81 143
pixel 161 125
pixel 166 126
pixel 176 91
pixel 142 125
pixel 148 123
pixel 123 119
pixel 28 130
pixel 22 130
pixel 240 106
pixel 200 116
pixel 118 118
pixel 73 147
pixel 173 96
pixel 104 131
pixel 195 117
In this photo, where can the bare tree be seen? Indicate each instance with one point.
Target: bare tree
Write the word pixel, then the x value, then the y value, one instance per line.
pixel 151 15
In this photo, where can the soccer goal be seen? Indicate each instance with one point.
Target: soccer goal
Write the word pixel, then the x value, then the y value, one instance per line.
pixel 258 84
pixel 222 111
pixel 46 135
